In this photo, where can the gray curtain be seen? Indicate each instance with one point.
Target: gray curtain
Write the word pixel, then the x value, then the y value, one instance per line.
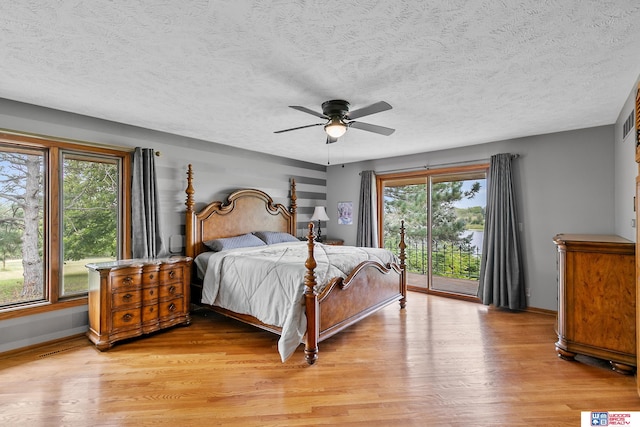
pixel 501 273
pixel 367 232
pixel 146 238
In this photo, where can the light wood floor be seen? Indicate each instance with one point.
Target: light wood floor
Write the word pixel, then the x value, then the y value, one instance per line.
pixel 443 362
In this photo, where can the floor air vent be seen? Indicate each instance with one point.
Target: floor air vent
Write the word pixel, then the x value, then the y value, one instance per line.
pixel 61 350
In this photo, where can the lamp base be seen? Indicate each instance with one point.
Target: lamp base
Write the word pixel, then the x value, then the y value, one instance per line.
pixel 319 235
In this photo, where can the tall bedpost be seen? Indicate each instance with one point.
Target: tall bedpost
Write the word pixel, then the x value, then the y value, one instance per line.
pixel 188 226
pixel 293 228
pixel 403 267
pixel 311 303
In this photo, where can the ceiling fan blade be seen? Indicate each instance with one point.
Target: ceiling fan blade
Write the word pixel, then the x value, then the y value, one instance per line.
pixel 299 127
pixel 331 140
pixel 372 128
pixel 308 111
pixel 371 109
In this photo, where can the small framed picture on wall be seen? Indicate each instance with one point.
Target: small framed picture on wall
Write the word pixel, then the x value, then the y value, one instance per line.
pixel 345 211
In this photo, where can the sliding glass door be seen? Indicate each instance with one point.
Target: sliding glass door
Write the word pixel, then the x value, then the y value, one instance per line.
pixel 443 212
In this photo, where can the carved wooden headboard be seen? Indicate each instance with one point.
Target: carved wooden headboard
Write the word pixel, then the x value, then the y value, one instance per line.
pixel 244 211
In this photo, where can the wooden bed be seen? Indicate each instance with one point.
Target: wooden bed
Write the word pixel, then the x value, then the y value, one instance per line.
pixel 368 288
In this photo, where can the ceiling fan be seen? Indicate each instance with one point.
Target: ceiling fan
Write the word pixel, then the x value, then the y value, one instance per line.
pixel 340 118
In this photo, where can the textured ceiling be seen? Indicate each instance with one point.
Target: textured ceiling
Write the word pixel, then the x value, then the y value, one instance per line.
pixel 456 72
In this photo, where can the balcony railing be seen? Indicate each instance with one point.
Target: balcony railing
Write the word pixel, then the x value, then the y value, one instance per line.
pixel 450 259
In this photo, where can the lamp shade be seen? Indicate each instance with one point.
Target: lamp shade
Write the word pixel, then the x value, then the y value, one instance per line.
pixel 319 214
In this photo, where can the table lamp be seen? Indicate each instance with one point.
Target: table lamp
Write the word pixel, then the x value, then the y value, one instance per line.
pixel 319 214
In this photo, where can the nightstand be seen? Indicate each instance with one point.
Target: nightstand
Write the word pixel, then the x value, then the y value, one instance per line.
pixel 333 242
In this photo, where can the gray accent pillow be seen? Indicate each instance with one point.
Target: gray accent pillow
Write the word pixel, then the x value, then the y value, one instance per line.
pixel 271 237
pixel 243 241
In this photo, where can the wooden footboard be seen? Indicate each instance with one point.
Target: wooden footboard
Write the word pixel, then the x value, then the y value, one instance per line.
pixel 368 288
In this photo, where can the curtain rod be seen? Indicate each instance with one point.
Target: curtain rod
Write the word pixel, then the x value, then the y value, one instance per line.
pixel 441 165
pixel 427 167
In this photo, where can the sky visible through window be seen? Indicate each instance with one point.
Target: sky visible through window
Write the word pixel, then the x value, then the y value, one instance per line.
pixel 479 199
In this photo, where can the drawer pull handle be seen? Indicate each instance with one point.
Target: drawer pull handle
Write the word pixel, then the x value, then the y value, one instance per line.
pixel 172 274
pixel 172 289
pixel 127 281
pixel 127 317
pixel 151 276
pixel 151 292
pixel 127 297
pixel 172 307
pixel 150 309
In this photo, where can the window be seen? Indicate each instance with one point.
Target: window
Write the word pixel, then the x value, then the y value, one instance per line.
pixel 21 215
pixel 62 205
pixel 90 206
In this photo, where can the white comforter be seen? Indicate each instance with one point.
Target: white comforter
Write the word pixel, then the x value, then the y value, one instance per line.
pixel 267 282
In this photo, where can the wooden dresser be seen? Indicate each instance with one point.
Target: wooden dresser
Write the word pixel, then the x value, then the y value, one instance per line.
pixel 132 297
pixel 597 299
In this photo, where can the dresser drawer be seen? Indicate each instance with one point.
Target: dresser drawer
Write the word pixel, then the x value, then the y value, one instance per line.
pixel 171 308
pixel 149 313
pixel 125 299
pixel 170 290
pixel 171 273
pixel 150 275
pixel 125 319
pixel 150 295
pixel 124 279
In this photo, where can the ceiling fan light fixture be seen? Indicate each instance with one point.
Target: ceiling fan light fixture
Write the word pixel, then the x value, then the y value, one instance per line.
pixel 339 118
pixel 335 128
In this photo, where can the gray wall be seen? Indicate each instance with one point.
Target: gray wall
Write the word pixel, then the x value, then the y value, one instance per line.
pixel 565 180
pixel 218 169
